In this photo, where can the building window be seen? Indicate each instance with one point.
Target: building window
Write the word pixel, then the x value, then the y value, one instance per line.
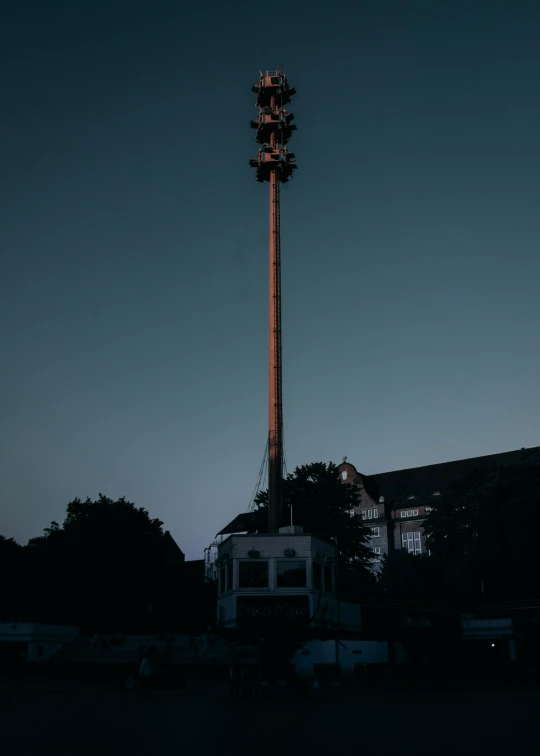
pixel 377 553
pixel 411 542
pixel 229 576
pixel 369 514
pixel 291 573
pixel 253 574
pixel 344 475
pixel 428 509
pixel 222 580
pixel 374 532
pixel 409 513
pixel 328 579
pixel 381 499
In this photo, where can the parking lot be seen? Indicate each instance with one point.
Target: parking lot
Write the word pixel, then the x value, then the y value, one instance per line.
pixel 79 718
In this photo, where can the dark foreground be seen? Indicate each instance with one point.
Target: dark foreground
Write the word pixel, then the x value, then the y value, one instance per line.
pixel 83 718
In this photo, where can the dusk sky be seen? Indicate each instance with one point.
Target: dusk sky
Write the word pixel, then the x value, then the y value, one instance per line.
pixel 134 244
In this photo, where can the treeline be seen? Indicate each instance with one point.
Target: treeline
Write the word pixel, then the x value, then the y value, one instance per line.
pixel 108 568
pixel 482 537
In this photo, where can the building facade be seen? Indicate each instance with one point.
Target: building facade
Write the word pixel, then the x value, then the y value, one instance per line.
pixel 394 505
pixel 211 570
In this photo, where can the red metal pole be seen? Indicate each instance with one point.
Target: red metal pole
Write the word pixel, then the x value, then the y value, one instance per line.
pixel 275 165
pixel 275 410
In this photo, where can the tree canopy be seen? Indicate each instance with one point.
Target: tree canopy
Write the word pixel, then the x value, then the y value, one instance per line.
pixel 412 577
pixel 109 566
pixel 321 503
pixel 482 532
pixel 119 527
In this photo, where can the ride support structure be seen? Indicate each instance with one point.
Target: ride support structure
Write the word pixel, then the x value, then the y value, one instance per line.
pixel 274 164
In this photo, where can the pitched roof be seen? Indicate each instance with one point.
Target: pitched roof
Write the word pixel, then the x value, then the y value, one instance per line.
pixel 172 549
pixel 422 482
pixel 247 522
pixel 396 486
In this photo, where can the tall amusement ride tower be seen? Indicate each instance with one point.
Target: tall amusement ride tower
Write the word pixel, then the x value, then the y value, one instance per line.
pixel 275 164
pixel 291 559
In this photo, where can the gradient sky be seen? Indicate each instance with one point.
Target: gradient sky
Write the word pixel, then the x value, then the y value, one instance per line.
pixel 133 243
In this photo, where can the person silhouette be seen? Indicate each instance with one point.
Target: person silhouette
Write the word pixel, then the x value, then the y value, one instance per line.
pixel 146 671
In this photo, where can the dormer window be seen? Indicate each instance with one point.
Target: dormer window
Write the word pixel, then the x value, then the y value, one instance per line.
pixel 381 499
pixel 412 496
pixel 370 514
pixel 436 493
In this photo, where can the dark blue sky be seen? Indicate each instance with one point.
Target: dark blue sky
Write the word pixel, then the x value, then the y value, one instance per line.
pixel 133 242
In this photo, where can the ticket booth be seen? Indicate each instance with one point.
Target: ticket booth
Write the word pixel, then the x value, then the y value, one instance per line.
pixel 281 582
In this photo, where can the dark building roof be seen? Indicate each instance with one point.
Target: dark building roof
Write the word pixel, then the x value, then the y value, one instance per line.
pixel 248 522
pixel 172 549
pixel 423 482
pixel 397 486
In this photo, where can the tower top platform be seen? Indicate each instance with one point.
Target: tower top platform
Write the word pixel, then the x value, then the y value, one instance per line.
pixel 273 84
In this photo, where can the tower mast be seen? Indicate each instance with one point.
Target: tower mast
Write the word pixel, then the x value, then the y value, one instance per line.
pixel 274 164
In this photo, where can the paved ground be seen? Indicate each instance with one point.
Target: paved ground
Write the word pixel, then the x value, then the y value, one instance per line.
pixel 83 719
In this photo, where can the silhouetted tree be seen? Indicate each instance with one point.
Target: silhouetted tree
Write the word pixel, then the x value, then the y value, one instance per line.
pixel 413 577
pixel 483 532
pixel 12 569
pixel 108 567
pixel 8 546
pixel 322 504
